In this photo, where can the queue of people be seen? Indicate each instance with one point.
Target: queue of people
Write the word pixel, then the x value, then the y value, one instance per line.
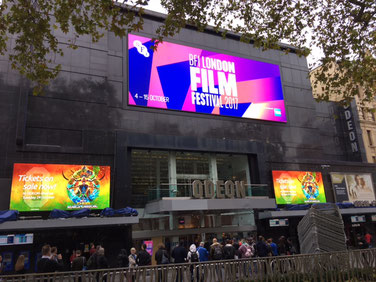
pixel 228 249
pixel 52 261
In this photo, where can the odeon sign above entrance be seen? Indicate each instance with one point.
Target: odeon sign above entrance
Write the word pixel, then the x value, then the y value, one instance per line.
pixel 228 189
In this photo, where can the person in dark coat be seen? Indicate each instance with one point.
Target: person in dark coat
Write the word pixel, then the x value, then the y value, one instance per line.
pixel 362 244
pixel 216 251
pixel 261 247
pixel 122 258
pixel 161 255
pixel 228 250
pixel 143 258
pixel 79 263
pixel 283 247
pixel 45 264
pixel 102 262
pixel 180 253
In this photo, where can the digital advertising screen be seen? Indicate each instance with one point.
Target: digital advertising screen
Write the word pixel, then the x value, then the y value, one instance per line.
pixel 358 218
pixel 44 187
pixel 16 239
pixel 278 222
pixel 149 247
pixel 298 187
pixel 182 78
pixel 351 187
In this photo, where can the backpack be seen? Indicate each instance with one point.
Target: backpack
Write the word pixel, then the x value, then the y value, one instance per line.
pixel 164 258
pixel 194 257
pixel 249 252
pixel 217 253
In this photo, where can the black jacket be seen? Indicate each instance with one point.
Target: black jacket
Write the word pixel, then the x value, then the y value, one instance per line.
pixel 143 258
pixel 228 252
pixel 45 265
pixel 262 249
pixel 78 263
pixel 102 262
pixel 180 254
pixel 159 255
pixel 122 260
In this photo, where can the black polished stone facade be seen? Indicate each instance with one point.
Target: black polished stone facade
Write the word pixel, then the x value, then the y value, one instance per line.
pixel 83 118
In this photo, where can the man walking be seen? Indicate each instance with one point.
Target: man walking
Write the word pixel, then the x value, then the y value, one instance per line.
pixel 143 258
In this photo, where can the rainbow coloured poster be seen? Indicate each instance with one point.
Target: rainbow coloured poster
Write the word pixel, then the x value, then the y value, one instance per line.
pixel 298 187
pixel 44 187
pixel 182 78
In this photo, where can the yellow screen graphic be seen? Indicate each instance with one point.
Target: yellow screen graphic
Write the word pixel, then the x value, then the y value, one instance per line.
pixel 298 187
pixel 44 187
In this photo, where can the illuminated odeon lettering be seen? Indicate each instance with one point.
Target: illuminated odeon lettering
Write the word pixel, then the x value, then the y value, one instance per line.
pixel 227 189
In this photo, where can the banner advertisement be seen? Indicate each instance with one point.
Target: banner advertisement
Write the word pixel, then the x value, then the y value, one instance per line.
pixel 149 247
pixel 298 187
pixel 351 187
pixel 188 79
pixel 44 187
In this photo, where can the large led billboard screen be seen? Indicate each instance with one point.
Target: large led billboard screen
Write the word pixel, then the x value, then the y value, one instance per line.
pixel 182 78
pixel 298 187
pixel 44 187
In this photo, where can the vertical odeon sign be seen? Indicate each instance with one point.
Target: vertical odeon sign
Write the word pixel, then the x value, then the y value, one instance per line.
pixel 350 128
pixel 182 78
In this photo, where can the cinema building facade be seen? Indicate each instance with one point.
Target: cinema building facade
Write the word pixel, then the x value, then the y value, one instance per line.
pixel 193 135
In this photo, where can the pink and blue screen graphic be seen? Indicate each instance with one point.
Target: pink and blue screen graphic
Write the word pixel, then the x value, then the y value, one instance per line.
pixel 182 78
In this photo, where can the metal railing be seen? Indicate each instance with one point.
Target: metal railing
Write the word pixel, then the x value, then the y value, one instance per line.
pixel 358 265
pixel 185 190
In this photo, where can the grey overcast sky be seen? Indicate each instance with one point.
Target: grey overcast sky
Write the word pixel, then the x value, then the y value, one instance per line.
pixel 315 55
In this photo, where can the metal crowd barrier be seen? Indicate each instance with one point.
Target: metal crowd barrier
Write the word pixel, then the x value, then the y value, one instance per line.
pixel 357 265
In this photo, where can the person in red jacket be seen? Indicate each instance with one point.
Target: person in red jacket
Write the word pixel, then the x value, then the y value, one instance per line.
pixel 368 238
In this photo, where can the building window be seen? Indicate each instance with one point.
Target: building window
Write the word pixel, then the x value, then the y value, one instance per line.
pixel 149 172
pixel 157 174
pixel 374 159
pixel 364 113
pixel 369 134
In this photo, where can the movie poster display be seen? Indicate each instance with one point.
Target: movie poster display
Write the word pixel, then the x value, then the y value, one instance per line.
pixel 44 187
pixel 298 187
pixel 188 79
pixel 351 187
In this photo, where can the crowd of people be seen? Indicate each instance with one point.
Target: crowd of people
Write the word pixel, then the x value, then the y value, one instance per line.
pixel 228 249
pixel 51 261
